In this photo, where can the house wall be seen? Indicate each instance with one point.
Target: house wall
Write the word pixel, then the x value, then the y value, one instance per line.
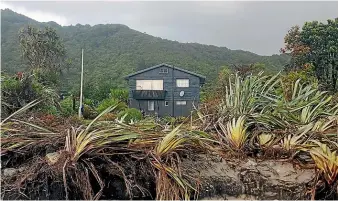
pixel 191 93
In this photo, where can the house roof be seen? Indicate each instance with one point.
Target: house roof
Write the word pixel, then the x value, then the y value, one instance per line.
pixel 202 78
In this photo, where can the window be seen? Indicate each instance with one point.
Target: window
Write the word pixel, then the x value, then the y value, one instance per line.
pixel 182 82
pixel 164 70
pixel 181 102
pixel 151 105
pixel 166 103
pixel 149 84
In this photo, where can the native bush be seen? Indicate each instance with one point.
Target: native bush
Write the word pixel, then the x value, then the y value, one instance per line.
pixel 104 104
pixel 244 96
pixel 301 104
pixel 67 106
pixel 89 112
pixel 130 114
pixel 119 94
pixel 19 90
pixel 265 100
pixel 304 75
pixel 50 110
pixel 89 102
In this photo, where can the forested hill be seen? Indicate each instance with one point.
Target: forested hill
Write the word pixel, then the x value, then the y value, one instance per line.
pixel 112 51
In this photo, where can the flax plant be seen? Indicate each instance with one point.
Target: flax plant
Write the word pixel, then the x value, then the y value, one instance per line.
pixel 234 133
pixel 325 160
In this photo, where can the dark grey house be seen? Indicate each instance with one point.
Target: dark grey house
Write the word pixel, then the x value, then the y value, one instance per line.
pixel 164 90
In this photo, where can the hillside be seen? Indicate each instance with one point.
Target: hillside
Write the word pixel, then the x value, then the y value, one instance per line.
pixel 113 50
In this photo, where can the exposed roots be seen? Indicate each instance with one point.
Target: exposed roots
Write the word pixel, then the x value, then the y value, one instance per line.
pixel 37 181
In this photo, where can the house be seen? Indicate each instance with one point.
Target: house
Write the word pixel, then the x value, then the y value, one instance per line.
pixel 164 90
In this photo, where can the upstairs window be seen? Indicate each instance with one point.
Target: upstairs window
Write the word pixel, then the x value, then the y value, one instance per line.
pixel 182 82
pixel 164 70
pixel 149 84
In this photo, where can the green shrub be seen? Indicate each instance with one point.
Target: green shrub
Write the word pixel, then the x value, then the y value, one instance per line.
pixel 67 107
pixel 50 109
pixel 168 120
pixel 244 96
pixel 131 114
pixel 89 112
pixel 305 77
pixel 288 80
pixel 18 91
pixel 335 98
pixel 279 101
pixel 108 117
pixel 10 83
pixel 119 94
pixel 88 101
pixel 104 104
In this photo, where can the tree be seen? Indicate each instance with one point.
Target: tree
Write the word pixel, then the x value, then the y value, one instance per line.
pixel 322 39
pixel 113 51
pixel 246 70
pixel 298 50
pixel 223 77
pixel 316 45
pixel 44 52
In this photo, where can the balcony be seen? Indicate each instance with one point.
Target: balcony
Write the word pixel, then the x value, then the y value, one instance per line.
pixel 149 94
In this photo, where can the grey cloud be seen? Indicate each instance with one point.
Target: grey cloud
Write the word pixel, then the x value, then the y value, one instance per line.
pixel 254 26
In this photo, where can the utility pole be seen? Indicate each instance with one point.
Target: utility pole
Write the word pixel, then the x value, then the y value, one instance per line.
pixel 172 91
pixel 80 106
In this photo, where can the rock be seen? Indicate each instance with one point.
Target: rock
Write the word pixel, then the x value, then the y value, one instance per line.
pixel 250 164
pixel 9 172
pixel 52 158
pixel 305 157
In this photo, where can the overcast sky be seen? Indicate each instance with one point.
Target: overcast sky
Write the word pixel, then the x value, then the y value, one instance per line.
pixel 254 26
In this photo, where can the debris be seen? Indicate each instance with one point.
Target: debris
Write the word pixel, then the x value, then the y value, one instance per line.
pixel 52 158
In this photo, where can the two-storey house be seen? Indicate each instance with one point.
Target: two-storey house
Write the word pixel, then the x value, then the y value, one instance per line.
pixel 165 90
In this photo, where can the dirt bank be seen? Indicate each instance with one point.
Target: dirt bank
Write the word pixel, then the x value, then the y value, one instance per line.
pixel 219 179
pixel 249 179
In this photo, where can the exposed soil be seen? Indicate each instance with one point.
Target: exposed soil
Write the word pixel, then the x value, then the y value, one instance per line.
pixel 251 179
pixel 38 179
pixel 219 179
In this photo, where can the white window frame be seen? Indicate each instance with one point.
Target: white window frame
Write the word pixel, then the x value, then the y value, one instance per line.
pixel 164 70
pixel 151 105
pixel 149 84
pixel 181 102
pixel 183 83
